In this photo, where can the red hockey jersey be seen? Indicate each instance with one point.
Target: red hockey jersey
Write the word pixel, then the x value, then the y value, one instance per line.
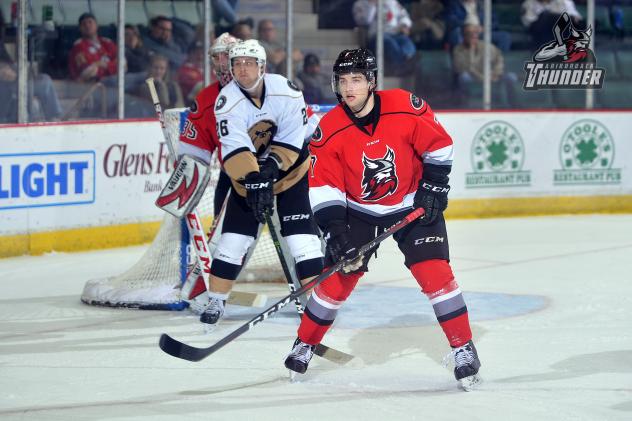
pixel 375 170
pixel 199 134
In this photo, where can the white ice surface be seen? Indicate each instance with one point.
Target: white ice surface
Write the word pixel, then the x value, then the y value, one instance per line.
pixel 570 359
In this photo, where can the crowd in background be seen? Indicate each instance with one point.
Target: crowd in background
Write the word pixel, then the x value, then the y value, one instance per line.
pixel 171 51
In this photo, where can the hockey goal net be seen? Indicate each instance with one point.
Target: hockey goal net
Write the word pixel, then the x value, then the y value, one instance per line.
pixel 154 282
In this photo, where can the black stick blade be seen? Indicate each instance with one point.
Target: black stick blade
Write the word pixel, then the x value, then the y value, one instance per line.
pixel 180 350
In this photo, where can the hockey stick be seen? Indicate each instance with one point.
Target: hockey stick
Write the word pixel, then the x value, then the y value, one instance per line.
pixel 181 350
pixel 240 298
pixel 194 224
pixel 321 350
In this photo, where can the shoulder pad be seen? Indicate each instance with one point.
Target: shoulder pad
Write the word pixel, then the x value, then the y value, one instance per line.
pixel 279 85
pixel 228 97
pixel 399 100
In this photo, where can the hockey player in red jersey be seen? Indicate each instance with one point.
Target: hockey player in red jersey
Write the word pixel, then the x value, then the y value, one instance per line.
pixel 373 158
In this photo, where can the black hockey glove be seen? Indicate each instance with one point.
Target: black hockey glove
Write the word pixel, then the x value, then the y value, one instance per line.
pixel 433 198
pixel 259 189
pixel 339 246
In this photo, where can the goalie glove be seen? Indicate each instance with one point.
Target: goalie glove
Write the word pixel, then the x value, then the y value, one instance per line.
pixel 185 187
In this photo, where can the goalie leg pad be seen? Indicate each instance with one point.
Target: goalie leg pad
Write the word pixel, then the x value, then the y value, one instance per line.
pixel 185 186
pixel 307 252
pixel 229 255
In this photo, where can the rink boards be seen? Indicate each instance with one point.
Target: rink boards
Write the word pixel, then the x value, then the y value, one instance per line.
pixel 87 185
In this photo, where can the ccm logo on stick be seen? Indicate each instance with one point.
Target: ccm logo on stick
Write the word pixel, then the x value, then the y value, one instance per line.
pixel 295 217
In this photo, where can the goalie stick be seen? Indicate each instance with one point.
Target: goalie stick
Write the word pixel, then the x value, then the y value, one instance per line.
pixel 321 350
pixel 194 224
pixel 181 350
pixel 194 285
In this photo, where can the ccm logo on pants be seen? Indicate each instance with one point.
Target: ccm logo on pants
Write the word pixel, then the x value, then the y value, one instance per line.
pixel 295 217
pixel 429 240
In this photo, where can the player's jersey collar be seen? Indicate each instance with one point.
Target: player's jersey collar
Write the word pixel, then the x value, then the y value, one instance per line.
pixel 371 118
pixel 247 95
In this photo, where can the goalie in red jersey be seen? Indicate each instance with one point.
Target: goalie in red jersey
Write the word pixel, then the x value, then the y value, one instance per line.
pixel 374 157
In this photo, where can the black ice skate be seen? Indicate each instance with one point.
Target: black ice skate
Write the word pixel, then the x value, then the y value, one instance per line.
pixel 213 312
pixel 466 365
pixel 299 357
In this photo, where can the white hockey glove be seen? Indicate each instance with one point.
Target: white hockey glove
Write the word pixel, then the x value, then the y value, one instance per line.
pixel 185 187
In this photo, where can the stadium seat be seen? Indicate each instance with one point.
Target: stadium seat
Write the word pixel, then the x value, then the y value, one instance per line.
pixel 624 64
pixel 106 11
pixel 569 98
pixel 188 10
pixel 615 94
pixel 508 16
pixel 135 13
pixel 606 59
pixel 535 99
pixel 434 80
pixel 159 7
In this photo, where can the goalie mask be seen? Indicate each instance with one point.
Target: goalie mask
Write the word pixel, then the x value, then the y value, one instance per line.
pixel 219 57
pixel 248 49
pixel 359 60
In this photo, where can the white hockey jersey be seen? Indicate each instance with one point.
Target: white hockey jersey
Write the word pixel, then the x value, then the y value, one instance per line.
pixel 249 132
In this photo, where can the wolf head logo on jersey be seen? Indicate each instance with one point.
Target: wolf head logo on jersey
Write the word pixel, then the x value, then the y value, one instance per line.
pixel 261 134
pixel 379 178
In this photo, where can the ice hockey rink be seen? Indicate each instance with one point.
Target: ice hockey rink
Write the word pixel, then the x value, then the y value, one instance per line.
pixel 549 300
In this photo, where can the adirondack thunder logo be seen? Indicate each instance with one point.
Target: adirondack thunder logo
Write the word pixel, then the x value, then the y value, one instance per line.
pixel 566 62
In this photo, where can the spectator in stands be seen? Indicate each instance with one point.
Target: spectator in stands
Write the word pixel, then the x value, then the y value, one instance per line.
pixel 539 17
pixel 191 73
pixel 428 29
pixel 399 49
pixel 243 29
pixel 168 91
pixel 160 41
pixel 45 108
pixel 316 85
pixel 275 50
pixel 92 57
pixel 467 59
pixel 136 55
pixel 457 12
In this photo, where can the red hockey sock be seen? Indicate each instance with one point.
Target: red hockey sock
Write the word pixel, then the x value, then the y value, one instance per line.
pixel 437 281
pixel 323 306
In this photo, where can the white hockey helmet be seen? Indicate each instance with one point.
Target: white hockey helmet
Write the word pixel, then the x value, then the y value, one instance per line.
pixel 248 48
pixel 221 46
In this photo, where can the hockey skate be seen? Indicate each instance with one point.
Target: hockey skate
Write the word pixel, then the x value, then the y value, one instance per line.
pixel 212 313
pixel 466 365
pixel 299 357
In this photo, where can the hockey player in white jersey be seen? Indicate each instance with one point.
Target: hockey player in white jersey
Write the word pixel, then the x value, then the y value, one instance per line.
pixel 261 123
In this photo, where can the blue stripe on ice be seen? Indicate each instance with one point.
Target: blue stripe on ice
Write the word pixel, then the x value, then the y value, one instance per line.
pixel 377 306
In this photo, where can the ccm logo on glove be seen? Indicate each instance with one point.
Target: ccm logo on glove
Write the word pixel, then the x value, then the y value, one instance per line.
pixel 436 189
pixel 257 185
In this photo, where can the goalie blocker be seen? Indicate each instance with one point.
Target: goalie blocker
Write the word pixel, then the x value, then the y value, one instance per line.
pixel 185 187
